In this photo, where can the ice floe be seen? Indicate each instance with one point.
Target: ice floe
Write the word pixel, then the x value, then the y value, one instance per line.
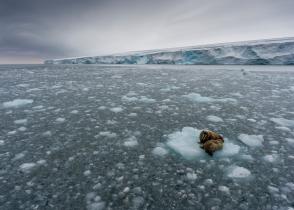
pixel 17 103
pixel 159 151
pixel 283 122
pixel 131 142
pixel 238 172
pixel 107 134
pixel 21 121
pixel 116 109
pixel 224 189
pixel 213 118
pixel 185 143
pixel 94 202
pixel 271 158
pixel 27 167
pixel 143 99
pixel 60 120
pixel 196 97
pixel 251 140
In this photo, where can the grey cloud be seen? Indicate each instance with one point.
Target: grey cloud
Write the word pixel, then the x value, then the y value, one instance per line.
pixel 32 30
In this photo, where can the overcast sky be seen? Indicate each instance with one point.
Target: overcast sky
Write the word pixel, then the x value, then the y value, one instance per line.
pixel 34 30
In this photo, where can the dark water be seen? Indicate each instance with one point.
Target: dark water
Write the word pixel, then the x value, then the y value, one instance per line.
pixel 95 137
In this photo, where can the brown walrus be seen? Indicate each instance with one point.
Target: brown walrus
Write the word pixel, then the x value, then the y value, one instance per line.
pixel 206 135
pixel 212 145
pixel 211 141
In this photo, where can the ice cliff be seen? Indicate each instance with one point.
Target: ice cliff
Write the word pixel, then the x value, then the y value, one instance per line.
pixel 259 52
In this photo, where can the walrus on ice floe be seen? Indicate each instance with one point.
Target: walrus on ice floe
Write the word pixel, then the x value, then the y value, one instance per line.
pixel 210 141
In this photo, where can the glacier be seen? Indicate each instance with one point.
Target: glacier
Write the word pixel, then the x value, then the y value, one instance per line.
pixel 258 52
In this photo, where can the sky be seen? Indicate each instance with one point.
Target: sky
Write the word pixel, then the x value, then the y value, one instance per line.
pixel 34 30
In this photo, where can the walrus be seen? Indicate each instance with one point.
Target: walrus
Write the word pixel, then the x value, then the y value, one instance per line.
pixel 210 141
pixel 206 135
pixel 212 145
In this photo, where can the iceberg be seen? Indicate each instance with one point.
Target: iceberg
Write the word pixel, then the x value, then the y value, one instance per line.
pixel 258 52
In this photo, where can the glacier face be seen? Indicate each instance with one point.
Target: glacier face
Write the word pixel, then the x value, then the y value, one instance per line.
pixel 259 52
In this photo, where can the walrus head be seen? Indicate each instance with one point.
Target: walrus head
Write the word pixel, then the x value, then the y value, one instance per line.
pixel 206 135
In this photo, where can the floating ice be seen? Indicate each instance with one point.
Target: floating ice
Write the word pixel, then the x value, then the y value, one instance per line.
pixel 17 103
pixel 18 156
pixel 27 167
pixel 191 176
pixel 238 172
pixel 196 97
pixel 143 99
pixel 283 122
pixel 21 121
pixel 60 120
pixel 283 128
pixel 251 140
pixel 131 142
pixel 107 134
pixel 133 115
pixel 87 173
pixel 185 143
pixel 290 141
pixel 41 162
pixel 94 202
pixel 271 158
pixel 213 118
pixel 22 128
pixel 1 142
pixel 116 109
pixel 159 151
pixel 74 112
pixel 224 189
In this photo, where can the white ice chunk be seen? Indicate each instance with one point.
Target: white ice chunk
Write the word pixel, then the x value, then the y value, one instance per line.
pixel 251 140
pixel 17 103
pixel 213 118
pixel 18 156
pixel 271 158
pixel 87 173
pixel 116 109
pixel 283 128
pixel 196 97
pixel 224 189
pixel 60 120
pixel 27 167
pixel 21 121
pixel 94 202
pixel 290 141
pixel 107 134
pixel 238 172
pixel 159 151
pixel 283 122
pixel 191 176
pixel 22 128
pixel 143 99
pixel 131 142
pixel 185 143
pixel 74 112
